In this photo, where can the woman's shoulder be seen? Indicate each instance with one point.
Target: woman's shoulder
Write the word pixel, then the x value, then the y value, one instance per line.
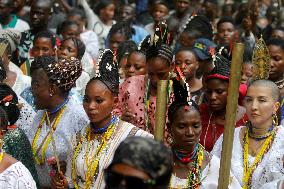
pixel 135 131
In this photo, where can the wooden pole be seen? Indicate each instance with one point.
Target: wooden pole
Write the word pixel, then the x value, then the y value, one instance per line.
pixel 231 110
pixel 161 109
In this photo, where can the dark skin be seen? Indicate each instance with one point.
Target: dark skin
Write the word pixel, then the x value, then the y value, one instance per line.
pixel 216 92
pixel 43 47
pixel 71 31
pixel 98 103
pixel 106 14
pixel 185 131
pixel 5 11
pixel 39 15
pixel 181 7
pixel 115 39
pixel 68 49
pixel 127 13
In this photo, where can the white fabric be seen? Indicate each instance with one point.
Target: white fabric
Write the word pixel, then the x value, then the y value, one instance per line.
pixel 122 131
pixel 88 64
pixel 81 83
pixel 14 68
pixel 72 121
pixel 27 115
pixel 20 26
pixel 90 39
pixel 268 170
pixel 17 176
pixel 209 177
pixel 22 82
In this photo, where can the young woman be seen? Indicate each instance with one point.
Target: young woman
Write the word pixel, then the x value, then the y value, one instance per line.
pixel 16 142
pixel 58 117
pixel 94 146
pixel 136 64
pixel 194 167
pixel 257 156
pixel 13 174
pixel 213 112
pixel 137 96
pixel 187 60
pixel 74 47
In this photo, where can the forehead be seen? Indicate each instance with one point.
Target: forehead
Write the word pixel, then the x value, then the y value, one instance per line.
pixel 42 41
pixel 216 84
pixel 226 25
pixel 259 91
pixel 97 88
pixel 274 49
pixel 160 7
pixel 69 43
pixel 187 116
pixel 39 5
pixel 185 54
pixel 157 64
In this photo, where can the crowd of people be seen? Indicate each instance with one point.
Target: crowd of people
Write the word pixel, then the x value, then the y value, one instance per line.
pixel 79 83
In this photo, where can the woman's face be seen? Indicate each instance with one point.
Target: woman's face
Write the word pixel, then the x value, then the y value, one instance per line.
pixel 225 32
pixel 99 102
pixel 67 50
pixel 136 64
pixel 71 31
pixel 260 106
pixel 158 69
pixel 186 129
pixel 216 94
pixel 246 73
pixel 115 39
pixel 107 13
pixel 185 40
pixel 43 47
pixel 160 11
pixel 276 62
pixel 41 89
pixel 277 34
pixel 187 62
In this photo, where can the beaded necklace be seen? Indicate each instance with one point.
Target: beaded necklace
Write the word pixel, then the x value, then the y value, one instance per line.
pixel 194 174
pixel 186 158
pixel 259 137
pixel 59 107
pixel 249 169
pixel 92 166
pixel 147 102
pixel 46 140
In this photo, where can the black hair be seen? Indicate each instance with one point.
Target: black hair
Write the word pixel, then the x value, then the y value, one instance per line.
pixel 124 49
pixel 281 28
pixel 162 51
pixel 101 5
pixel 222 67
pixel 225 19
pixel 77 12
pixel 64 25
pixel 277 42
pixel 47 34
pixel 3 73
pixel 11 107
pixel 181 100
pixel 80 46
pixel 3 118
pixel 109 77
pixel 124 28
pixel 8 48
pixel 161 2
pixel 202 24
pixel 41 62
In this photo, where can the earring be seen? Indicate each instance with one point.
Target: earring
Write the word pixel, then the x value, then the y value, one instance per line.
pixel 50 94
pixel 275 120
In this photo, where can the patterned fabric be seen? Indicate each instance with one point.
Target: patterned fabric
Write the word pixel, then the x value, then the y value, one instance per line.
pixel 12 36
pixel 18 146
pixel 26 44
pixel 122 131
pixel 269 169
pixel 17 176
pixel 72 121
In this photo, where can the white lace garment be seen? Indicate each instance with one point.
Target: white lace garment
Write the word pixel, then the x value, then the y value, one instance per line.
pixel 268 170
pixel 17 176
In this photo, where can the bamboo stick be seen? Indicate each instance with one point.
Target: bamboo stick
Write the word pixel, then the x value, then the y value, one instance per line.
pixel 161 109
pixel 231 110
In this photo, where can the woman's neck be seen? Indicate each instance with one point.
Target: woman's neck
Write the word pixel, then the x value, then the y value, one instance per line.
pixel 261 129
pixel 102 123
pixel 55 103
pixel 194 84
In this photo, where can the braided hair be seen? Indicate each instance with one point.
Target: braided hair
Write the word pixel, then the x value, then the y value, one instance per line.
pixel 3 118
pixel 62 73
pixel 180 100
pixel 108 71
pixel 124 28
pixel 9 102
pixel 160 44
pixel 79 45
pixel 124 49
pixel 47 34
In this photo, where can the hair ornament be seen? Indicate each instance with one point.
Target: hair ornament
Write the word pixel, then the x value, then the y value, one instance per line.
pixel 260 60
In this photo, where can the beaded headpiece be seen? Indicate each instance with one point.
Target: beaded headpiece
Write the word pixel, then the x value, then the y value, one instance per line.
pixel 260 60
pixel 221 68
pixel 144 44
pixel 161 35
pixel 107 71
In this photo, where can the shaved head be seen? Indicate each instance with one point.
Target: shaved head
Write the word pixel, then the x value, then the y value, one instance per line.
pixel 269 84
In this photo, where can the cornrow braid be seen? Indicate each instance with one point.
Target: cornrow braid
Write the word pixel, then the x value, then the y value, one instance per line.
pixel 163 51
pixel 80 46
pixel 124 28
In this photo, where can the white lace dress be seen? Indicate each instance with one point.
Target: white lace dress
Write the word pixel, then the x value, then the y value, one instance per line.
pixel 268 170
pixel 72 121
pixel 122 131
pixel 209 177
pixel 17 176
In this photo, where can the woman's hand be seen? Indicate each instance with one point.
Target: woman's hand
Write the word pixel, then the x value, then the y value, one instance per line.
pixel 59 181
